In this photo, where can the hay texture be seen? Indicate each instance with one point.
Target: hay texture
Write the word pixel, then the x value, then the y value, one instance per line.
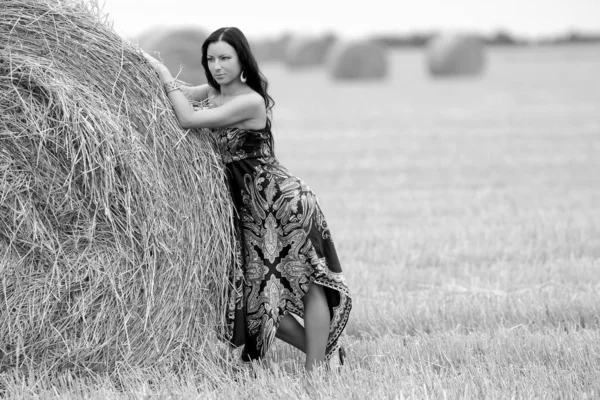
pixel 114 222
pixel 180 49
pixel 451 55
pixel 358 60
pixel 308 51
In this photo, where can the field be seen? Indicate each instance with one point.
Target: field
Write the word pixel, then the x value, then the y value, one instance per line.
pixel 467 217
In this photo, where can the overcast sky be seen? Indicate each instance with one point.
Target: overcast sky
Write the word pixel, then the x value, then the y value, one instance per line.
pixel 531 18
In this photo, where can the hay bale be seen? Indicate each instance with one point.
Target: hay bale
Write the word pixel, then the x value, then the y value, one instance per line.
pixel 115 229
pixel 358 60
pixel 308 51
pixel 180 49
pixel 455 55
pixel 270 50
pixel 147 38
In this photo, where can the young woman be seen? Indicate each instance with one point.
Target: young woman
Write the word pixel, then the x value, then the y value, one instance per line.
pixel 288 263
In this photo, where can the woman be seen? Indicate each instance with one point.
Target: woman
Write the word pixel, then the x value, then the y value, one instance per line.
pixel 288 263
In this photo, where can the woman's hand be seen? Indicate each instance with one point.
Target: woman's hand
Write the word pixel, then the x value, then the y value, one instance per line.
pixel 162 70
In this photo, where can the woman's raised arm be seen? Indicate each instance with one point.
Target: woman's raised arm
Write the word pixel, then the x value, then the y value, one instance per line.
pixel 196 93
pixel 241 108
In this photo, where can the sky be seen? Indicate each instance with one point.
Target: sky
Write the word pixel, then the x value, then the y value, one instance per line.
pixel 265 18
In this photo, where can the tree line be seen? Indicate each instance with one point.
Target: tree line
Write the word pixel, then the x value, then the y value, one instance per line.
pixel 499 38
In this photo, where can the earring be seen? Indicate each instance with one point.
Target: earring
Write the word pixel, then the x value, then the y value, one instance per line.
pixel 242 77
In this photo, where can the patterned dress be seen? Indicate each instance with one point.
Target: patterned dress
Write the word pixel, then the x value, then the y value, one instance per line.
pixel 284 245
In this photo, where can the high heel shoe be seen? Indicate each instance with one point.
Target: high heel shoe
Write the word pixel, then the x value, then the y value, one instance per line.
pixel 336 362
pixel 342 355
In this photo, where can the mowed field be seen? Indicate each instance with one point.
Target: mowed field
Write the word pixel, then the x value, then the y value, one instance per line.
pixel 466 214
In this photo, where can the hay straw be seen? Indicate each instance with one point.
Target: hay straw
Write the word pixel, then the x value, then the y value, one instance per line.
pixel 114 222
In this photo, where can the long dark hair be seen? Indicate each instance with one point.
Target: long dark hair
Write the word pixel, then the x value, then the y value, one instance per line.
pixel 254 78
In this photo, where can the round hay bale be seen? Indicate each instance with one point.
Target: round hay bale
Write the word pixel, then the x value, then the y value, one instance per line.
pixel 115 224
pixel 455 55
pixel 180 49
pixel 147 38
pixel 268 50
pixel 305 52
pixel 358 60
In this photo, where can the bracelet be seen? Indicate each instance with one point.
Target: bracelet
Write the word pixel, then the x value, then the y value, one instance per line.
pixel 171 86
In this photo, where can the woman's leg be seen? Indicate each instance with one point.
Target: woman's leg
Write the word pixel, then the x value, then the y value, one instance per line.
pixel 290 331
pixel 316 326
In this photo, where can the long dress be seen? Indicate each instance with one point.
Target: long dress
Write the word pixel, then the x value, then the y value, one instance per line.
pixel 284 245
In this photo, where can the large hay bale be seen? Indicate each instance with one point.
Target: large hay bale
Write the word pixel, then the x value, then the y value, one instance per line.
pixel 451 55
pixel 358 60
pixel 308 51
pixel 180 49
pixel 115 232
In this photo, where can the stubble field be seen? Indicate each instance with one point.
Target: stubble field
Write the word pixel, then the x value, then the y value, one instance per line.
pixel 466 214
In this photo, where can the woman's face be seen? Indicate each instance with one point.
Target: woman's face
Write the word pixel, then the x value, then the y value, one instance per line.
pixel 223 62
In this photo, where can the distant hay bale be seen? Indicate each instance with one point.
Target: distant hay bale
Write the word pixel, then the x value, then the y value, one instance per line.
pixel 115 224
pixel 455 55
pixel 358 60
pixel 268 50
pixel 180 49
pixel 147 38
pixel 308 51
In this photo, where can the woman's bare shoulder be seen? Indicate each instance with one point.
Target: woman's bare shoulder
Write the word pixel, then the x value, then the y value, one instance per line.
pixel 248 100
pixel 253 97
pixel 211 91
